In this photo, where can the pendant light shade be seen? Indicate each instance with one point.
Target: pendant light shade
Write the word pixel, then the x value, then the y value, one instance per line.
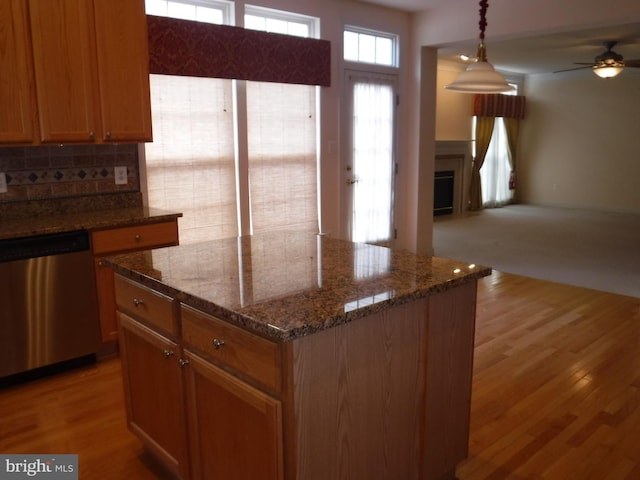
pixel 480 76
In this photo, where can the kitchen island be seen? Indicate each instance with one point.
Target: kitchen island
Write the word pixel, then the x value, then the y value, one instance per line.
pixel 296 356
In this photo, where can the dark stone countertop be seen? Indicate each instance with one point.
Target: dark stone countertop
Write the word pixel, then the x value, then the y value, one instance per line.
pixel 285 285
pixel 91 220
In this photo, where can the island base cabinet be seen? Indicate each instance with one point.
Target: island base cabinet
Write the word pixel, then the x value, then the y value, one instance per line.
pixel 358 398
pixel 153 392
pixel 235 430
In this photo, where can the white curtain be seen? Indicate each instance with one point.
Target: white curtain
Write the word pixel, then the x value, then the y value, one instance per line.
pixel 496 169
pixel 373 126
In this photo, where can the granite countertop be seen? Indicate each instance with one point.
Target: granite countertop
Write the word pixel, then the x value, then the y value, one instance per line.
pixel 57 222
pixel 285 285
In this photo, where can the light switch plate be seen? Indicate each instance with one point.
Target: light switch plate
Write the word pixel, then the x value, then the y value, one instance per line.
pixel 121 175
pixel 3 183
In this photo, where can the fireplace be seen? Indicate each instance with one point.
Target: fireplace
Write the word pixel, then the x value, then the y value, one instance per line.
pixel 443 192
pixel 451 177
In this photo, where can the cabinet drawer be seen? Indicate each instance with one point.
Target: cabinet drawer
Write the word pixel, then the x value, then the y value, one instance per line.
pixel 145 304
pixel 250 355
pixel 136 237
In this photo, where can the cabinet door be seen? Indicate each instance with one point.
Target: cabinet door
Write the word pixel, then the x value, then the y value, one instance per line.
pixel 123 65
pixel 235 430
pixel 106 301
pixel 63 36
pixel 17 90
pixel 154 393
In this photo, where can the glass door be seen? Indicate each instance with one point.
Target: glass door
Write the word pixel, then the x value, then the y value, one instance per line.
pixel 369 166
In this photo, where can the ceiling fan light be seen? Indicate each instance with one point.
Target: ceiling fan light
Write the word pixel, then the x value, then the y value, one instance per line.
pixel 607 71
pixel 479 77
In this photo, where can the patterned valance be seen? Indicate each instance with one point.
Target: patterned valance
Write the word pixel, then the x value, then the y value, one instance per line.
pixel 498 105
pixel 183 47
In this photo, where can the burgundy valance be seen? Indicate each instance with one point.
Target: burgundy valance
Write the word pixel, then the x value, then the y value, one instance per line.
pixel 498 105
pixel 197 49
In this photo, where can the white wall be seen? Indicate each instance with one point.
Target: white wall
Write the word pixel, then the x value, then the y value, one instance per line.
pixel 453 110
pixel 580 141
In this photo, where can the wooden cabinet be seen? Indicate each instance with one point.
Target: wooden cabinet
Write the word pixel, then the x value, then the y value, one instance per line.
pixel 65 68
pixel 81 76
pixel 386 396
pixel 234 427
pixel 17 115
pixel 118 240
pixel 153 390
pixel 235 430
pixel 247 355
pixel 123 70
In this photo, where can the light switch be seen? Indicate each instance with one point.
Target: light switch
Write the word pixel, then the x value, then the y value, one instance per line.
pixel 3 183
pixel 121 175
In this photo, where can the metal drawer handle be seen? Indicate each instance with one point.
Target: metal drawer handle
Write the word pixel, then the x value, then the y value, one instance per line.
pixel 183 363
pixel 138 237
pixel 217 344
pixel 137 302
pixel 168 353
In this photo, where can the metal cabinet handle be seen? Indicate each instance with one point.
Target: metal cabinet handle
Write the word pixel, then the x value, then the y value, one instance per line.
pixel 168 353
pixel 217 344
pixel 92 135
pixel 138 237
pixel 108 135
pixel 183 363
pixel 137 302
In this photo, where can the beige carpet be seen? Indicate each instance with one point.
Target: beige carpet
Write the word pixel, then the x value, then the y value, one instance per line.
pixel 577 247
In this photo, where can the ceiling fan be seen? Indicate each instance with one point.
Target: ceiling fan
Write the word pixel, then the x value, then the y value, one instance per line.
pixel 608 64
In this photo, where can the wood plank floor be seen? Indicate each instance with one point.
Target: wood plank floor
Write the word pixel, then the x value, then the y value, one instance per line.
pixel 556 384
pixel 556 394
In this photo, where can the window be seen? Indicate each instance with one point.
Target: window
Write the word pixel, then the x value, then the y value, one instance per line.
pixel 235 157
pixel 209 11
pixel 282 129
pixel 496 169
pixel 367 46
pixel 276 21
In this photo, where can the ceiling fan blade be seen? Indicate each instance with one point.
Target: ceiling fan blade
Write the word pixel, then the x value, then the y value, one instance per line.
pixel 632 63
pixel 589 65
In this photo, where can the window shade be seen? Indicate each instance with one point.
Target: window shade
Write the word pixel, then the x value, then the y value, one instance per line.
pixel 282 146
pixel 190 164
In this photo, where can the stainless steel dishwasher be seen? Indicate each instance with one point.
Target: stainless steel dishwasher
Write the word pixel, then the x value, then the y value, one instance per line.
pixel 48 305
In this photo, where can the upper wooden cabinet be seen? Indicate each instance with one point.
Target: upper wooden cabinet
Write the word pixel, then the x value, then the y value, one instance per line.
pixel 17 115
pixel 91 70
pixel 66 69
pixel 123 66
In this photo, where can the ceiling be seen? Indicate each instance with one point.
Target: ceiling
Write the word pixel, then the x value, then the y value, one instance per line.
pixel 538 54
pixel 553 52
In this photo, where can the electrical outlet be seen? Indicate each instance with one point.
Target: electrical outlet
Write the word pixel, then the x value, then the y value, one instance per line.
pixel 3 183
pixel 121 175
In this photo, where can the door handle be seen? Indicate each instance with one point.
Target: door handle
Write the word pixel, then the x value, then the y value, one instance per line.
pixel 352 181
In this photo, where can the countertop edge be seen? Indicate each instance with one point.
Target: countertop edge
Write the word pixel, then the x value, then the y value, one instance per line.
pixel 271 332
pixel 89 221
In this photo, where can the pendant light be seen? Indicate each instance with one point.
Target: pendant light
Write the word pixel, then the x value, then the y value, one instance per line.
pixel 480 76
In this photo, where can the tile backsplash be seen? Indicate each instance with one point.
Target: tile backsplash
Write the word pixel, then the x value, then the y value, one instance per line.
pixel 55 171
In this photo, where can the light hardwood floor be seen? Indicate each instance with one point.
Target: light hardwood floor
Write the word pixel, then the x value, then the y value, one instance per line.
pixel 556 394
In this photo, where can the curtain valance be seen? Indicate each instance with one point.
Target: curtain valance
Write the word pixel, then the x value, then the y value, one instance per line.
pixel 498 105
pixel 197 49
